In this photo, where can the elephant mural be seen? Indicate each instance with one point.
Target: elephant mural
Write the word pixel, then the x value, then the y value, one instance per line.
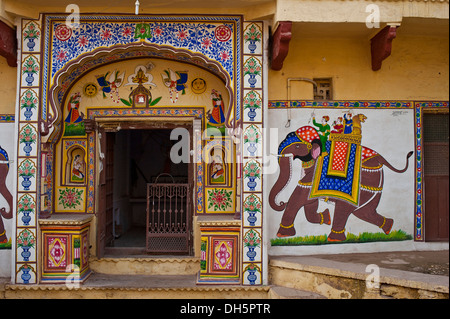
pixel 4 168
pixel 359 193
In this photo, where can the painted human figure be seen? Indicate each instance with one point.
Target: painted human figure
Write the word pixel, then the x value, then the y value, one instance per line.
pixel 323 129
pixel 217 170
pixel 72 107
pixel 338 127
pixel 348 123
pixel 217 116
pixel 4 191
pixel 77 169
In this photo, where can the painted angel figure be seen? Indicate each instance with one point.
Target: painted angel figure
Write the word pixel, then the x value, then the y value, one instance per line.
pixel 175 81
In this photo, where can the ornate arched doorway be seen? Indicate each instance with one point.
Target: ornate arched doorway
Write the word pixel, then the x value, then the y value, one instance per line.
pixel 119 77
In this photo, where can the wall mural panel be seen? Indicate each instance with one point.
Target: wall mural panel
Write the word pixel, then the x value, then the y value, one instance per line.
pixel 185 67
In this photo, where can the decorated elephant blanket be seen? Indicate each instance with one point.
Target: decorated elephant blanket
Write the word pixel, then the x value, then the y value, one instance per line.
pixel 338 169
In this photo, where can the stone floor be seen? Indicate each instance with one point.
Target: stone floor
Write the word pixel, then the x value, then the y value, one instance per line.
pixel 426 262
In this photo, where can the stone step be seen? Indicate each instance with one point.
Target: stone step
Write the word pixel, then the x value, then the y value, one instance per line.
pixel 105 286
pixel 279 292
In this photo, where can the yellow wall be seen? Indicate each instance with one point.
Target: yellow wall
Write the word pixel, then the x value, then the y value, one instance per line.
pixel 416 70
pixel 8 76
pixel 156 70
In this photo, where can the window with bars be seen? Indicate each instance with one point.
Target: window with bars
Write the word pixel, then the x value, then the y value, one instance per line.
pixel 323 90
pixel 436 143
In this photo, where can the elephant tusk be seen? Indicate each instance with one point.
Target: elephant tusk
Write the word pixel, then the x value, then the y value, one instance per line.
pixel 6 162
pixel 283 155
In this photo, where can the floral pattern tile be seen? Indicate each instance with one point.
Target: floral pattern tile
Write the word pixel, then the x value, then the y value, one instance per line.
pixel 28 140
pixel 30 70
pixel 29 105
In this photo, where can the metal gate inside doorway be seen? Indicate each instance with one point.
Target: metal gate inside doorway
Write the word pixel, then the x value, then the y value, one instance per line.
pixel 168 218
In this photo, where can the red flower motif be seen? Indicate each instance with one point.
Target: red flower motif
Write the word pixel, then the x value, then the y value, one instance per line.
pixel 206 43
pixel 106 34
pixel 224 56
pixel 83 41
pixel 126 32
pixel 61 56
pixel 158 31
pixel 182 35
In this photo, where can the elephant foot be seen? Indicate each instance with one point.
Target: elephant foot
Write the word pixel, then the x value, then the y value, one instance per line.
pixel 325 217
pixel 286 231
pixel 337 235
pixel 3 239
pixel 387 225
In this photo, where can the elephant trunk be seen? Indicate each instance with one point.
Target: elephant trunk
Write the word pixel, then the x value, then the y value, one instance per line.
pixel 285 163
pixel 6 193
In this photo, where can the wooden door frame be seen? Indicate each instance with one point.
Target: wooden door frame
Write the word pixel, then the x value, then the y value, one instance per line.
pixel 112 125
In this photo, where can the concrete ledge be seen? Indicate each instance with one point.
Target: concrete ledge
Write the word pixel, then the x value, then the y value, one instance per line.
pixel 338 280
pixel 146 266
pixel 278 292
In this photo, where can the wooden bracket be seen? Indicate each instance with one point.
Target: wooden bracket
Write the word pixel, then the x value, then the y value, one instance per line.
pixel 280 44
pixel 381 45
pixel 8 44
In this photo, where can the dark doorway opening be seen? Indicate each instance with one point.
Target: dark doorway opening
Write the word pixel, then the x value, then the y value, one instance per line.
pixel 139 157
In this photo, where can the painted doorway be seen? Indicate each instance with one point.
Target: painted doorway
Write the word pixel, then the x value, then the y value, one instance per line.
pixel 436 166
pixel 136 159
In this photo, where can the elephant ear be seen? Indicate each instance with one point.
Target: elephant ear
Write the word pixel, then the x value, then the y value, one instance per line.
pixel 316 150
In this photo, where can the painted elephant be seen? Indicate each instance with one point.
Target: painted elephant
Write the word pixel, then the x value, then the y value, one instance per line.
pixel 305 144
pixel 4 168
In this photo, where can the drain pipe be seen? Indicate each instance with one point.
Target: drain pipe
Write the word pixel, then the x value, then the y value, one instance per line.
pixel 288 87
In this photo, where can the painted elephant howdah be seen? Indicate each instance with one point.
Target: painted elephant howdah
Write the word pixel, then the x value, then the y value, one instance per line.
pixel 356 189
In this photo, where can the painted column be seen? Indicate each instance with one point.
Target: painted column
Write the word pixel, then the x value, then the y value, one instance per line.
pixel 28 142
pixel 252 206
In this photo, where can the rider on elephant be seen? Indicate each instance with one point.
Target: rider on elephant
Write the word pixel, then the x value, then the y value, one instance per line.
pixel 323 129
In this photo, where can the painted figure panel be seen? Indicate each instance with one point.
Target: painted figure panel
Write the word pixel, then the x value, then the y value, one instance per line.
pixel 332 173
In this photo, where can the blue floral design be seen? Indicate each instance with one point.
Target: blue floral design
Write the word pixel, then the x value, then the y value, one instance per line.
pixel 191 36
